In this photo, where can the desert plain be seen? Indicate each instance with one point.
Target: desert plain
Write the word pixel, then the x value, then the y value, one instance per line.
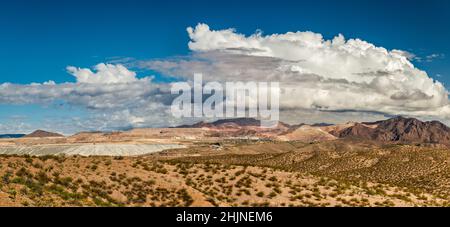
pixel 232 163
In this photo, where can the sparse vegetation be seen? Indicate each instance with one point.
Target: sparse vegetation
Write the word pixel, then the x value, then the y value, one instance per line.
pixel 329 176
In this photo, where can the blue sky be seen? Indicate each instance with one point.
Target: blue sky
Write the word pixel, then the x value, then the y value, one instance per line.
pixel 39 39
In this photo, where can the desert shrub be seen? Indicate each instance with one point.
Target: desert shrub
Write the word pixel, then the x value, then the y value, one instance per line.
pixel 273 178
pixel 277 190
pixel 186 198
pixel 56 174
pixel 12 193
pixel 37 165
pixel 272 194
pixel 48 168
pixel 190 182
pixel 244 182
pixel 150 182
pixel 6 177
pixel 65 181
pixel 238 173
pixel 42 177
pixel 221 180
pixel 45 157
pixel 79 181
pixel 23 172
pixel 388 203
pixel 12 165
pixel 159 168
pixel 246 191
pixel 35 187
pixel 28 159
pixel 212 201
pixel 59 158
pixel 18 180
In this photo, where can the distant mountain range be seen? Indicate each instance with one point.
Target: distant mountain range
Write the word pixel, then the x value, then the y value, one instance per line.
pixel 231 123
pixel 223 123
pixel 35 134
pixel 394 130
pixel 11 136
pixel 398 129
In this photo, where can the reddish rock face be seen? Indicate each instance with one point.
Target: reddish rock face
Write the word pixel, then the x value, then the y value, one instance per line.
pixel 240 127
pixel 358 130
pixel 400 129
pixel 226 123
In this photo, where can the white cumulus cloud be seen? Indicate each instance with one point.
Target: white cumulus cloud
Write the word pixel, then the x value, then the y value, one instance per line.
pixel 316 74
pixel 105 74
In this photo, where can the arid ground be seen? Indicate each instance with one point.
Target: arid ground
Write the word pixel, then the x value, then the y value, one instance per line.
pixel 236 173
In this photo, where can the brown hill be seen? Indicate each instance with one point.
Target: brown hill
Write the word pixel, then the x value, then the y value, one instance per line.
pixel 226 123
pixel 306 133
pixel 357 130
pixel 41 133
pixel 399 129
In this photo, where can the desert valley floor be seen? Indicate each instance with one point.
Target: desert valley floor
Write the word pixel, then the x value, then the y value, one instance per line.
pixel 332 173
pixel 345 171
